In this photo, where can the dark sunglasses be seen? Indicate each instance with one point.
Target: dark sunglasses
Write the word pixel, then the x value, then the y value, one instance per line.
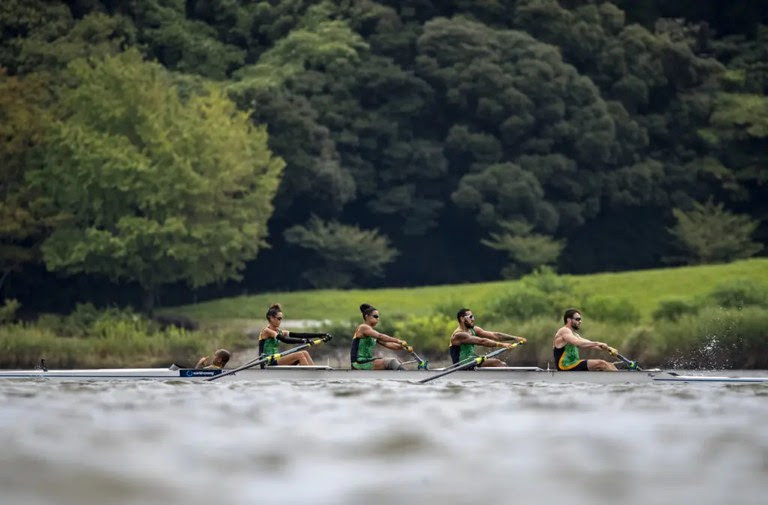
pixel 470 316
pixel 278 318
pixel 375 316
pixel 576 318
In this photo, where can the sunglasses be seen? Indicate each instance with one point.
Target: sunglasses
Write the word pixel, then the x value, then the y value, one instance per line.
pixel 376 316
pixel 278 318
pixel 576 318
pixel 470 316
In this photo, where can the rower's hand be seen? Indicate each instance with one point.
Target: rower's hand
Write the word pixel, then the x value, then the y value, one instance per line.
pixel 522 340
pixel 508 345
pixel 608 348
pixel 408 348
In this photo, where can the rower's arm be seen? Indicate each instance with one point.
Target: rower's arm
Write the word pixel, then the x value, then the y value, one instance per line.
pixel 466 338
pixel 391 345
pixel 497 335
pixel 583 343
pixel 383 339
pixel 292 337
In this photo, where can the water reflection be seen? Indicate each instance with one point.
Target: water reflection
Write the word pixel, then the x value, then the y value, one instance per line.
pixel 349 443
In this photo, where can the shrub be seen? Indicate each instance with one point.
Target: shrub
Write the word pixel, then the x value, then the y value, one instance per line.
pixel 727 338
pixel 426 333
pixel 673 309
pixel 8 310
pixel 522 303
pixel 616 310
pixel 739 293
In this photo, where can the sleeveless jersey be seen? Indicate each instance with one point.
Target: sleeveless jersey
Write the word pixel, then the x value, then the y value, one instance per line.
pixel 362 349
pixel 269 346
pixel 463 351
pixel 566 357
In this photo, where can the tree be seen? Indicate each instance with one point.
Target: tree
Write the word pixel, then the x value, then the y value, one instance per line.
pixel 156 190
pixel 527 251
pixel 23 120
pixel 347 252
pixel 709 234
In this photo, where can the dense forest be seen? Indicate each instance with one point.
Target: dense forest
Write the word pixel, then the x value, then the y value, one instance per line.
pixel 169 151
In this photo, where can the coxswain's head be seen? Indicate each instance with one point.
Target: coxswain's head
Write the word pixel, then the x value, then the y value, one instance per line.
pixel 221 358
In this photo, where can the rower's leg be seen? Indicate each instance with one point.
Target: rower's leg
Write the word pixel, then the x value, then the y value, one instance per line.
pixel 494 362
pixel 301 358
pixel 386 364
pixel 599 365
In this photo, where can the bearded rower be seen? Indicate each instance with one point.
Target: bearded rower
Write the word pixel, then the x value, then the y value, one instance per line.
pixel 567 343
pixel 467 336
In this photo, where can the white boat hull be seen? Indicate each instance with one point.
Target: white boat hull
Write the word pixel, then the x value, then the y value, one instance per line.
pixel 294 373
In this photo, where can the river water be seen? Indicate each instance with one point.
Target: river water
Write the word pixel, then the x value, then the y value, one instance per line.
pixel 382 442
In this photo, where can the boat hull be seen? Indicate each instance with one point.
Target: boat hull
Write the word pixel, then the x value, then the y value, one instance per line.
pixel 512 374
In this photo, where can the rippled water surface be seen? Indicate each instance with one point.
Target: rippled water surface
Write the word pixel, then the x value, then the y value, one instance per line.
pixel 382 442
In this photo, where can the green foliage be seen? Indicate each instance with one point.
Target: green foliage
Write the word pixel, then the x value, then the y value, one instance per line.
pixel 347 251
pixel 609 309
pixel 674 308
pixel 183 44
pixel 8 310
pixel 708 233
pixel 87 321
pixel 430 333
pixel 22 346
pixel 728 338
pixel 560 116
pixel 157 190
pixel 541 294
pixel 526 250
pixel 739 293
pixel 22 129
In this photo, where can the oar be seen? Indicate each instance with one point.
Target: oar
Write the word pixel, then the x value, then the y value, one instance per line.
pixel 463 365
pixel 423 364
pixel 267 358
pixel 632 365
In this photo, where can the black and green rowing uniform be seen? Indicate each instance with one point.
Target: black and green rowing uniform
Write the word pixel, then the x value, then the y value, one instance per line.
pixel 361 354
pixel 568 360
pixel 462 352
pixel 268 346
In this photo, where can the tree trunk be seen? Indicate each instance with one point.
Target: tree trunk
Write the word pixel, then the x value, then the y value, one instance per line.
pixel 149 301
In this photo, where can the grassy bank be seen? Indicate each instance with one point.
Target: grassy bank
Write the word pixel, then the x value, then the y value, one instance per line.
pixel 712 316
pixel 644 289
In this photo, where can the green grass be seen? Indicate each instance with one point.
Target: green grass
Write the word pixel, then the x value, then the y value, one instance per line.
pixel 643 288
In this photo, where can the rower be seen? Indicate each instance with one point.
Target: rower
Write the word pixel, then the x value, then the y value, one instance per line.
pixel 269 336
pixel 567 343
pixel 220 360
pixel 467 336
pixel 366 338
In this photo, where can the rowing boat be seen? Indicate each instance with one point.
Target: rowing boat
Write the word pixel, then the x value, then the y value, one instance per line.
pixel 322 373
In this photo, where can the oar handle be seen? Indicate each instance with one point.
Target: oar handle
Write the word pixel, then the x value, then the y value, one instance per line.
pixel 631 364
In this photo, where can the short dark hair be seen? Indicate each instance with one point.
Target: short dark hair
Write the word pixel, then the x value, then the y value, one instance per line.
pixel 367 310
pixel 461 313
pixel 569 314
pixel 223 356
